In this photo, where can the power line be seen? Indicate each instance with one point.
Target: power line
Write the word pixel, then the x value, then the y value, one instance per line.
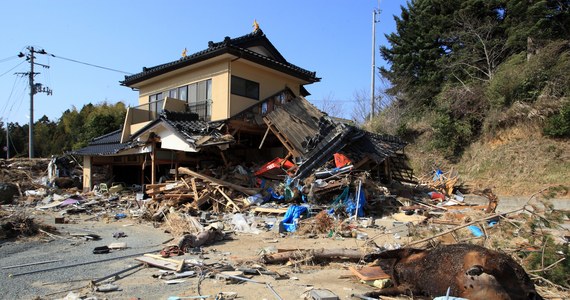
pixel 12 68
pixel 92 65
pixel 8 58
pixel 10 97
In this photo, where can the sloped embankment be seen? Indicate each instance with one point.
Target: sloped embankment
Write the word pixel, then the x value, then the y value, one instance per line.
pixel 515 161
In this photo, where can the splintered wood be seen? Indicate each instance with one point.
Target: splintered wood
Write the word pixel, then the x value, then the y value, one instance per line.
pixel 197 190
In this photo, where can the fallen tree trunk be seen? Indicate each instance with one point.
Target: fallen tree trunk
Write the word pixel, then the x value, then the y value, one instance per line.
pixel 304 254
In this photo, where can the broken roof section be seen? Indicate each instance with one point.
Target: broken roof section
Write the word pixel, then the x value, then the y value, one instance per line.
pixel 184 131
pixel 313 137
pixel 175 130
pixel 108 144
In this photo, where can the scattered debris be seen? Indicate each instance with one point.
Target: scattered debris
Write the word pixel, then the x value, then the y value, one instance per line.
pixel 335 200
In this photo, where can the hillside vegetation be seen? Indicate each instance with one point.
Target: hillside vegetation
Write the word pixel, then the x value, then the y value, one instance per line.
pixel 482 87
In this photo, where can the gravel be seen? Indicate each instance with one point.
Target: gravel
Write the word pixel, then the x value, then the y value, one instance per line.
pixel 76 264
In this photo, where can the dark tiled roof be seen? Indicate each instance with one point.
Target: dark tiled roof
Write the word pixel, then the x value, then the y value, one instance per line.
pixel 236 46
pixel 107 144
pixel 188 127
pixel 191 127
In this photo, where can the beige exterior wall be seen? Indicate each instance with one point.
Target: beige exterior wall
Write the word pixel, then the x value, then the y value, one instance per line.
pixel 270 82
pixel 224 105
pixel 217 72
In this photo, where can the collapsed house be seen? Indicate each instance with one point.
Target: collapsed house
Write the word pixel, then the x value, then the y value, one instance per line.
pixel 237 101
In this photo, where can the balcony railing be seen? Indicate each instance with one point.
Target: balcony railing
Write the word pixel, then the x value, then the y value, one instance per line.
pixel 203 109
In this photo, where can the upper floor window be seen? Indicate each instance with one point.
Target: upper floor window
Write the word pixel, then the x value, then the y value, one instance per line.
pixel 245 88
pixel 180 93
pixel 155 102
pixel 199 92
pixel 198 95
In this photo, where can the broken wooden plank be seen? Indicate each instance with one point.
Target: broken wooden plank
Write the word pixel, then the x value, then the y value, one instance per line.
pixel 229 200
pixel 161 262
pixel 193 180
pixel 369 273
pixel 178 196
pixel 247 191
pixel 270 210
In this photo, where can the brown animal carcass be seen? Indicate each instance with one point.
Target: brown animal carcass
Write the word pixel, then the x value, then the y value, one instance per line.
pixel 469 271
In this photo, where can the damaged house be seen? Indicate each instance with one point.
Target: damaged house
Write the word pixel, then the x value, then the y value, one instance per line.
pixel 237 101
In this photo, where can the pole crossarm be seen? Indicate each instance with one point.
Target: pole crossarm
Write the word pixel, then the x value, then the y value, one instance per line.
pixel 34 89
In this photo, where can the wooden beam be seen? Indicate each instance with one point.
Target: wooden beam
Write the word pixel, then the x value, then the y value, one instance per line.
pixel 264 137
pixel 153 161
pixel 281 138
pixel 224 159
pixel 270 210
pixel 194 189
pixel 87 174
pixel 239 188
pixel 229 200
pixel 361 162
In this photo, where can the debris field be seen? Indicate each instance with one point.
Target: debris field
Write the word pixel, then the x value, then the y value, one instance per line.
pixel 338 234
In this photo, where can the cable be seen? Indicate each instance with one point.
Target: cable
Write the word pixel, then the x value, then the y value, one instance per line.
pixel 12 68
pixel 9 97
pixel 8 58
pixel 92 65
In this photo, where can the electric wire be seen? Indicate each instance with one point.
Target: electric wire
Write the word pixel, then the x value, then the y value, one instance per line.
pixel 19 95
pixel 8 58
pixel 92 65
pixel 12 68
pixel 9 97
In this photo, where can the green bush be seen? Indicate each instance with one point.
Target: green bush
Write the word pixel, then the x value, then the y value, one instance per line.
pixel 451 135
pixel 558 126
pixel 503 87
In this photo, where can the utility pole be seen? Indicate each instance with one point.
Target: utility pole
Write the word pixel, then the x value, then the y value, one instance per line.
pixel 34 88
pixel 7 141
pixel 375 12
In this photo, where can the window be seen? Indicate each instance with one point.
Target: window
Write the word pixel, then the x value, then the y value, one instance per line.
pixel 199 98
pixel 180 93
pixel 199 92
pixel 245 88
pixel 183 93
pixel 155 103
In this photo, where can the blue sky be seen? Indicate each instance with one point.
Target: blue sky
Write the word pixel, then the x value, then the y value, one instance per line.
pixel 331 37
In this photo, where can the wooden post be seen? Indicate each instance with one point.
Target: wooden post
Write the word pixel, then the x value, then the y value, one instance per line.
pixel 153 161
pixel 264 137
pixel 87 174
pixel 176 171
pixel 387 169
pixel 142 171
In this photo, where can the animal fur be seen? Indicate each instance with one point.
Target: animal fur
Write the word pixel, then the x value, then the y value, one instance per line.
pixel 470 271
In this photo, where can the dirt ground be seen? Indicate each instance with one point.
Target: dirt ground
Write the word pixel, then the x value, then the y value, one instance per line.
pixel 143 237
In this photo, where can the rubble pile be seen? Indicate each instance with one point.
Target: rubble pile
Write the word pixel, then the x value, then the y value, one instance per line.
pixel 201 210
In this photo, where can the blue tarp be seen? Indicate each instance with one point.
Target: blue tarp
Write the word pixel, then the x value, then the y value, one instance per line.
pixel 294 212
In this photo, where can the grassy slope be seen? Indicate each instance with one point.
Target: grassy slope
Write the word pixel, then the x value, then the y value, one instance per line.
pixel 516 161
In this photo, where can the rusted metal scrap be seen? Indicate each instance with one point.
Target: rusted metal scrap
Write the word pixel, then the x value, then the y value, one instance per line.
pixel 469 271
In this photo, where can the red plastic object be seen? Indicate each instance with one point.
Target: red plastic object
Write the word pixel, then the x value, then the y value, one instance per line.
pixel 340 160
pixel 274 168
pixel 436 195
